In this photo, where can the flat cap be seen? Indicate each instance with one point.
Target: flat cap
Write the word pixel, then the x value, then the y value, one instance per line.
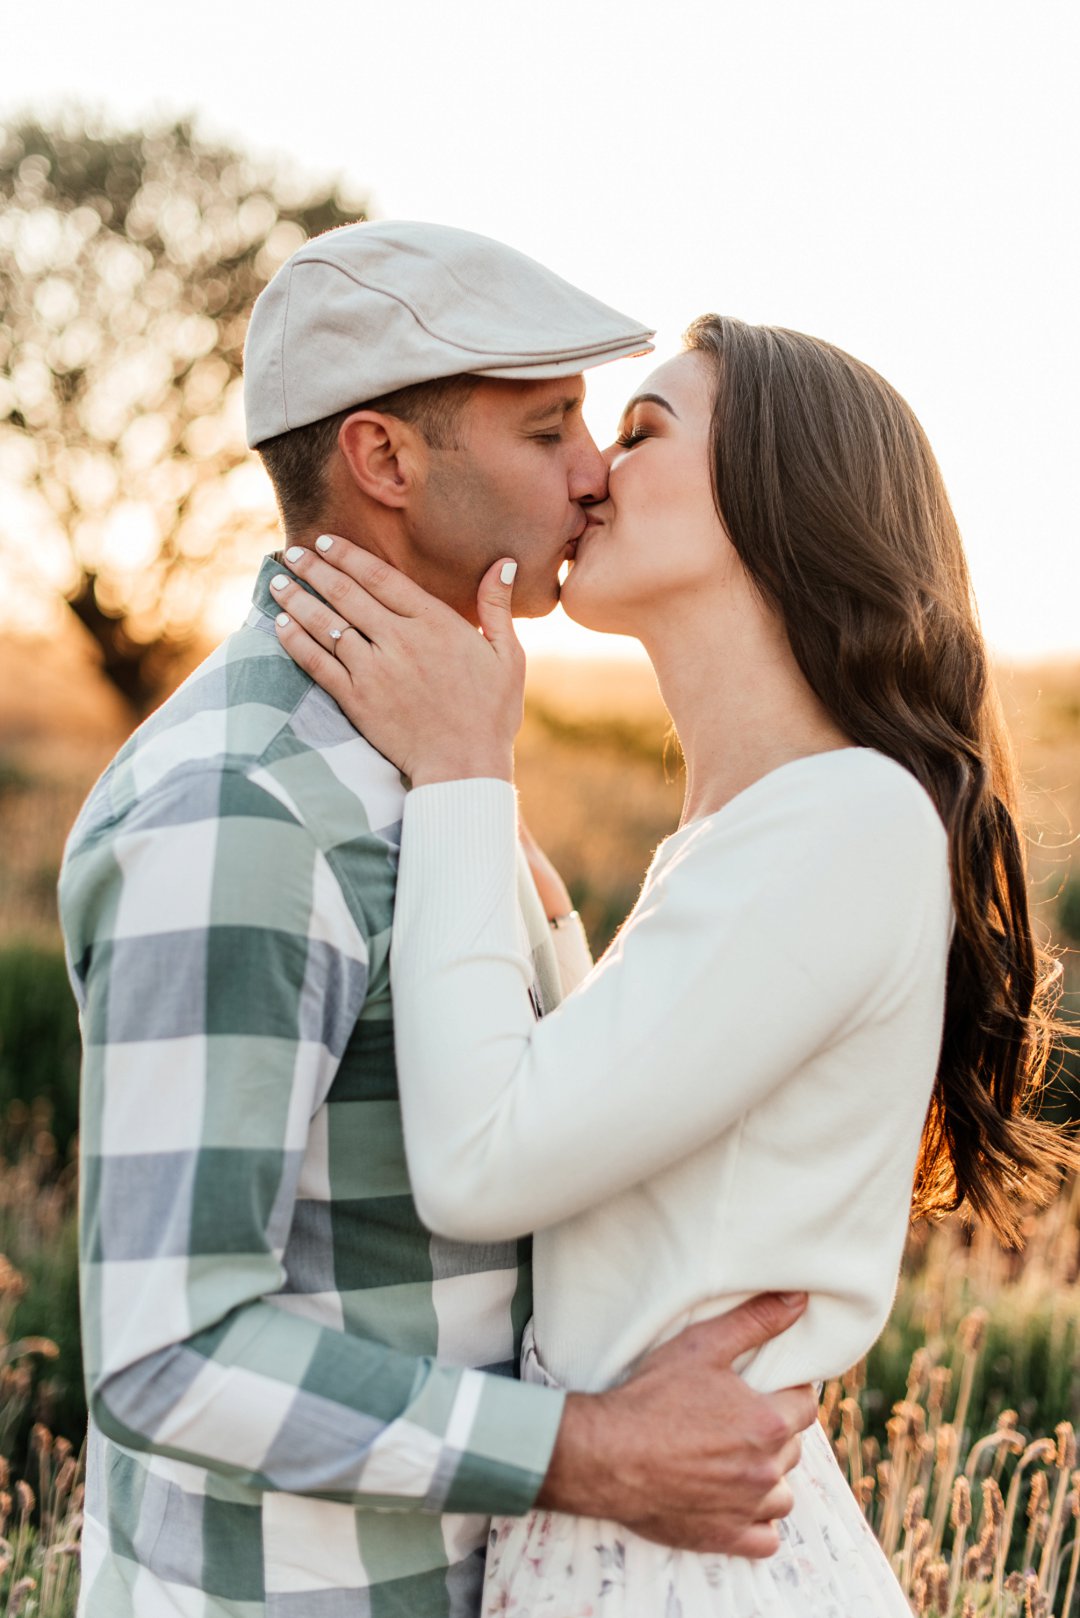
pixel 369 308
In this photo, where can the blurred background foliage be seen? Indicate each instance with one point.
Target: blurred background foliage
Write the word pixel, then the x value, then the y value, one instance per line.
pixel 129 262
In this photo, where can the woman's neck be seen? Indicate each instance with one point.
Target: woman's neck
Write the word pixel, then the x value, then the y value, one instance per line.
pixel 739 701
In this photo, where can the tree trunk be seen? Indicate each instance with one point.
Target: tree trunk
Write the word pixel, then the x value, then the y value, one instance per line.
pixel 138 671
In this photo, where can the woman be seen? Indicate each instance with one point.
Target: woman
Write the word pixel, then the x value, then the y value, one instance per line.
pixel 828 987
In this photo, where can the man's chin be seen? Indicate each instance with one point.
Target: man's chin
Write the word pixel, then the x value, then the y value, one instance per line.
pixel 536 600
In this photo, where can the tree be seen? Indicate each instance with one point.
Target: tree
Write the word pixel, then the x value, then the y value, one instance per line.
pixel 129 262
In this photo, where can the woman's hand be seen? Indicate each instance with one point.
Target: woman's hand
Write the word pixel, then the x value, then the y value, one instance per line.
pixel 439 699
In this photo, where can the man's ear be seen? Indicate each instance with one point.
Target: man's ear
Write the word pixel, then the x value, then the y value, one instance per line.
pixel 382 455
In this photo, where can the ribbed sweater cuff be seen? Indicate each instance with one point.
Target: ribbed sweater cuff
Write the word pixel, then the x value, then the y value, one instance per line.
pixel 458 874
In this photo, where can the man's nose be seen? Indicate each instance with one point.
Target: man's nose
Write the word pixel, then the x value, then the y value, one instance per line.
pixel 589 480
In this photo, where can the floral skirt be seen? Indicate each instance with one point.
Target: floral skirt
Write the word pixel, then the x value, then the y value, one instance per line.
pixel 829 1564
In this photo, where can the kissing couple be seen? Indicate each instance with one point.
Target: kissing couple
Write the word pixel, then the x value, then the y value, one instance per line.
pixel 428 1268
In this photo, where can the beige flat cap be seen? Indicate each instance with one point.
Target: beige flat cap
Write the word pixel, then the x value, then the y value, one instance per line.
pixel 366 309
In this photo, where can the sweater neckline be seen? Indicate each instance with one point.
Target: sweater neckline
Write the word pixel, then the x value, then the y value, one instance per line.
pixel 676 838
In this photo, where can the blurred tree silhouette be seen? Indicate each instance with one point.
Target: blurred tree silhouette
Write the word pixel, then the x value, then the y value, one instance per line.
pixel 128 266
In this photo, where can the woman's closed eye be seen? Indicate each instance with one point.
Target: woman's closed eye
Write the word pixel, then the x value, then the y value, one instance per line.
pixel 627 440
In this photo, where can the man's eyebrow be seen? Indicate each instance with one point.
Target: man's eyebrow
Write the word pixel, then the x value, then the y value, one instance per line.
pixel 556 407
pixel 650 398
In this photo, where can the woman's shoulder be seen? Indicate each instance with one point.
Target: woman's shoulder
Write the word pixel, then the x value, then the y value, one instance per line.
pixel 853 782
pixel 841 855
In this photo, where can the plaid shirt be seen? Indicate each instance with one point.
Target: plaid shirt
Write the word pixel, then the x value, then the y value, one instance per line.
pixel 293 1411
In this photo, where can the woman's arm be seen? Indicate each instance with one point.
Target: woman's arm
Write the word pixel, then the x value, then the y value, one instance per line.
pixel 785 927
pixel 759 945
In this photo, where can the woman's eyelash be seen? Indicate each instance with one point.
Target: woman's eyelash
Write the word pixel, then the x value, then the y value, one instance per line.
pixel 628 440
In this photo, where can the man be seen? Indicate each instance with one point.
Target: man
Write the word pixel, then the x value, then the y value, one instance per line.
pixel 302 1402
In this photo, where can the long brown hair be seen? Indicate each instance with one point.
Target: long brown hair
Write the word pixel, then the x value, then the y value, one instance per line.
pixel 836 506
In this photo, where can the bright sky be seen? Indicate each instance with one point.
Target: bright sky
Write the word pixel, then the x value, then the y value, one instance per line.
pixel 899 176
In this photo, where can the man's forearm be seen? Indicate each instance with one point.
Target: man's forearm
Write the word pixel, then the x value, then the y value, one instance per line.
pixel 683 1452
pixel 586 1461
pixel 281 1403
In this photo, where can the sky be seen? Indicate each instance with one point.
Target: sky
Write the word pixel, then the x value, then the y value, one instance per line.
pixel 898 176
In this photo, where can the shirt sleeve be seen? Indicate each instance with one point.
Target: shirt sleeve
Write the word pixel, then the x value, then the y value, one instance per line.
pixel 766 936
pixel 220 973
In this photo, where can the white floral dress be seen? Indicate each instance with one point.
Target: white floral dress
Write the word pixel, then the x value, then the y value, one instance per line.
pixel 829 1565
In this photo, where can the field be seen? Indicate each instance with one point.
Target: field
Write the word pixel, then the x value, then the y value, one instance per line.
pixel 956 1432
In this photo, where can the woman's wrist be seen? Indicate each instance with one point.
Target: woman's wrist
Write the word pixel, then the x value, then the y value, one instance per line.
pixel 493 765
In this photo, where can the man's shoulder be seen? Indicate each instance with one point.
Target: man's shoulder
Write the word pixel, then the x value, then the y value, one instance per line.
pixel 248 720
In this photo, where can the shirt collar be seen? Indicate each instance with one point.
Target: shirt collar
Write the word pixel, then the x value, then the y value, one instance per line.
pixel 261 598
pixel 263 604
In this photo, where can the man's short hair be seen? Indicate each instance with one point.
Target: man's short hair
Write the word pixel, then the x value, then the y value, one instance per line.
pixel 297 460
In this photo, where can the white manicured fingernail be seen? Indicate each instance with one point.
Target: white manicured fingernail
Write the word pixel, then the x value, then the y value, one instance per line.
pixel 508 572
pixel 283 619
pixel 279 581
pixel 294 553
pixel 324 542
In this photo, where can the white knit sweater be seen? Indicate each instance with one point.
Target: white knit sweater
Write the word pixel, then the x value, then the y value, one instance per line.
pixel 732 1100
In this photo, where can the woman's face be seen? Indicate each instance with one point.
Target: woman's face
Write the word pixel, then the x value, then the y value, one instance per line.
pixel 657 536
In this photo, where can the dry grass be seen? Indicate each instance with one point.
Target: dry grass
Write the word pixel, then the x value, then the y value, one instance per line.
pixel 974 1500
pixel 40 1532
pixel 987 1527
pixel 40 1511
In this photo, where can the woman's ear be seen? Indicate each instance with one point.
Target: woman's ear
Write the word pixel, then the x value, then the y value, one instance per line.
pixel 381 455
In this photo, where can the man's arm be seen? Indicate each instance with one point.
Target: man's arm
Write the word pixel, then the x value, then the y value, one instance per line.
pixel 220 974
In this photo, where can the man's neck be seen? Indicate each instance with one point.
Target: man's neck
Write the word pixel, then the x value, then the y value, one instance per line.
pixel 344 528
pixel 388 544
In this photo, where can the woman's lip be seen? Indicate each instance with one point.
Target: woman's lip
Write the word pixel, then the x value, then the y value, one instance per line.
pixel 572 544
pixel 588 521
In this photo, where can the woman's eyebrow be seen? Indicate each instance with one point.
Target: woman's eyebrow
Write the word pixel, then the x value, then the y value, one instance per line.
pixel 650 398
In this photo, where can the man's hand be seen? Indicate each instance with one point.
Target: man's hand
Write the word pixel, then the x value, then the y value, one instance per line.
pixel 684 1452
pixel 439 700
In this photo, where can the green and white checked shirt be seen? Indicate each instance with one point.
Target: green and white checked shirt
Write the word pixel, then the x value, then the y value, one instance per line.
pixel 303 1403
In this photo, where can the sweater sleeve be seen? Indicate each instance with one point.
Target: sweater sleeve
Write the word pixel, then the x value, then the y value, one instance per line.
pixel 770 932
